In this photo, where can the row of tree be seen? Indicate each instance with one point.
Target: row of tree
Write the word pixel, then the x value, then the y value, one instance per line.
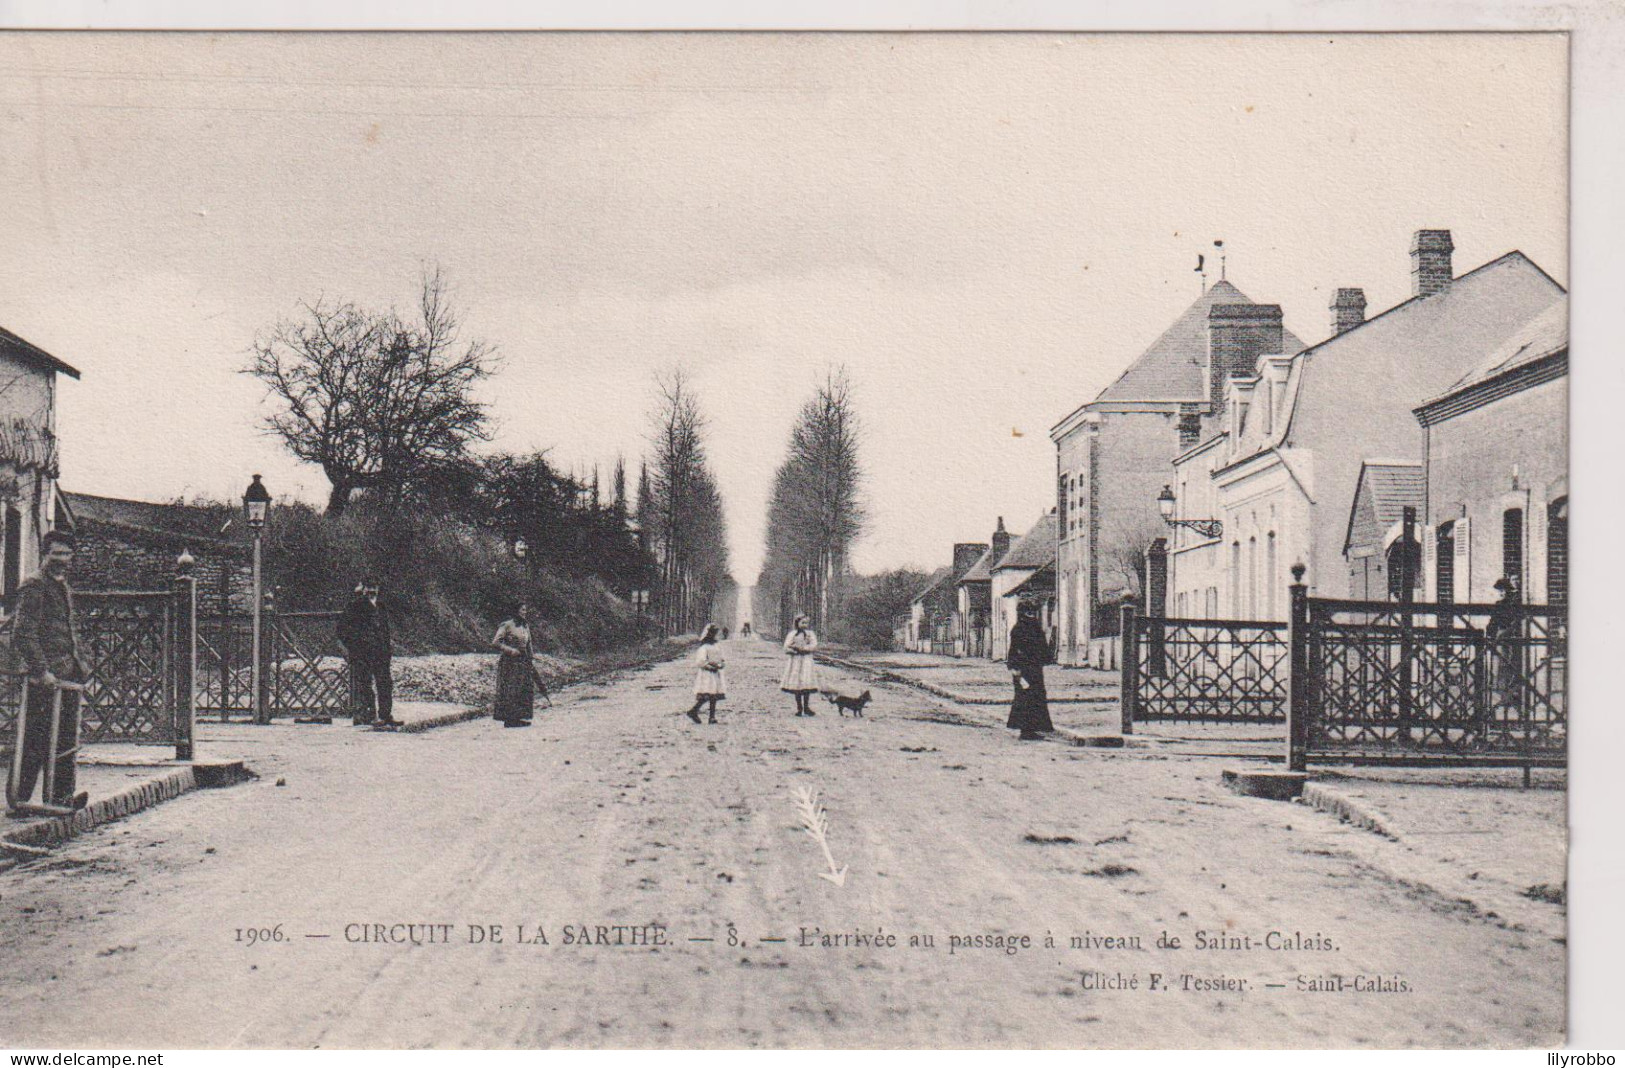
pixel 386 405
pixel 680 510
pixel 815 512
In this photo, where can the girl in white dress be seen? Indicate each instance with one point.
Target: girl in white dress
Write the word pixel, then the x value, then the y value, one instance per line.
pixel 800 670
pixel 710 684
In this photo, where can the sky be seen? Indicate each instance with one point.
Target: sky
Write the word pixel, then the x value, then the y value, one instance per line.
pixel 984 229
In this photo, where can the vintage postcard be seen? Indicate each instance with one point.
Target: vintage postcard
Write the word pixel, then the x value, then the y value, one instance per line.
pixel 780 540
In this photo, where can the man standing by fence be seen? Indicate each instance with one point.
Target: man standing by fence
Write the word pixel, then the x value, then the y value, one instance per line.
pixel 363 630
pixel 1502 633
pixel 45 636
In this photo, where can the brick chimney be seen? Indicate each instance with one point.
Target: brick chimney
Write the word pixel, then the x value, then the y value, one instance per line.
pixel 966 553
pixel 1430 262
pixel 1237 335
pixel 1001 544
pixel 1348 310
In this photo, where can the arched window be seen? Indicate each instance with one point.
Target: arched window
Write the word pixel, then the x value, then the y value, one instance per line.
pixel 1512 545
pixel 1404 562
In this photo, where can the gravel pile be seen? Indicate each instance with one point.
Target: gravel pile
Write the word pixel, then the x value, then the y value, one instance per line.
pixel 467 679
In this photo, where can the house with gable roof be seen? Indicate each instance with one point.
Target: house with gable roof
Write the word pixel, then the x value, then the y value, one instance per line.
pixel 1113 455
pixel 974 598
pixel 1028 554
pixel 1294 438
pixel 931 611
pixel 1496 450
pixel 1374 544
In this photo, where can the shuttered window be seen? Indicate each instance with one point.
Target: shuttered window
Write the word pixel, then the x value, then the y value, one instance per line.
pixel 1445 569
pixel 1557 552
pixel 1512 544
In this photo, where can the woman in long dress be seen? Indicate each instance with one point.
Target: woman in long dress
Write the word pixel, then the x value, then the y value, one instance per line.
pixel 1029 653
pixel 710 683
pixel 516 683
pixel 800 670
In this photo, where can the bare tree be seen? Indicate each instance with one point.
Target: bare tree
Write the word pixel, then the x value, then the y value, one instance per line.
pixel 1123 548
pixel 376 400
pixel 681 509
pixel 815 513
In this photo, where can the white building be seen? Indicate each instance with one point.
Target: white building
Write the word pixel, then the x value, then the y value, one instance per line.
pixel 28 455
pixel 1282 472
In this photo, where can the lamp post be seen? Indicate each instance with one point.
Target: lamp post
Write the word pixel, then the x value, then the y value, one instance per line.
pixel 185 592
pixel 256 503
pixel 1208 528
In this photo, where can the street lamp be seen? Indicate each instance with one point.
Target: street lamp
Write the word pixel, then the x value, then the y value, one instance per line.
pixel 256 503
pixel 1208 528
pixel 520 548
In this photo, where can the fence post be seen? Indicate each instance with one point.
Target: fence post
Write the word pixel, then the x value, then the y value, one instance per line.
pixel 185 658
pixel 268 630
pixel 1297 683
pixel 1156 607
pixel 1129 667
pixel 1407 625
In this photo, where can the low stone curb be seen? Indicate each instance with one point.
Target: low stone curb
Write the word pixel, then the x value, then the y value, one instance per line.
pixel 1391 851
pixel 128 802
pixel 1367 817
pixel 554 685
pixel 429 723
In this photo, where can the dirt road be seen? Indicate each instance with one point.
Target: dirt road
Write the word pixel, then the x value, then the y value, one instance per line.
pixel 616 812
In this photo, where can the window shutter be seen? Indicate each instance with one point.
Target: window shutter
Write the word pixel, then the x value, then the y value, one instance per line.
pixel 1430 564
pixel 1534 567
pixel 1465 590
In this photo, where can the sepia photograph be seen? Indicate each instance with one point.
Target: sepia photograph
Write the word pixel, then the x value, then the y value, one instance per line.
pixel 782 540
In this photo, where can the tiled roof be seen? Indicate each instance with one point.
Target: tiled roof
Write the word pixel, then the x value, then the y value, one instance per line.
pixel 936 580
pixel 18 348
pixel 189 521
pixel 1544 335
pixel 1174 367
pixel 981 570
pixel 1420 344
pixel 1034 548
pixel 1039 583
pixel 1385 489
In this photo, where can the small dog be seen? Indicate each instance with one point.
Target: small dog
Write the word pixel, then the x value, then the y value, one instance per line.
pixel 846 704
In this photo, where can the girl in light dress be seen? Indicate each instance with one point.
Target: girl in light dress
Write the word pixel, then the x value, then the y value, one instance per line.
pixel 800 679
pixel 710 684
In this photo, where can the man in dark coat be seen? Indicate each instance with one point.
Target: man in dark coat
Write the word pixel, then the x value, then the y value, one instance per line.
pixel 46 638
pixel 363 630
pixel 1028 655
pixel 1502 632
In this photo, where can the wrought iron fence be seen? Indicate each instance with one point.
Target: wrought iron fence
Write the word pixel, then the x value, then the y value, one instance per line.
pixel 130 643
pixel 309 675
pixel 127 641
pixel 225 666
pixel 302 665
pixel 1386 682
pixel 1202 670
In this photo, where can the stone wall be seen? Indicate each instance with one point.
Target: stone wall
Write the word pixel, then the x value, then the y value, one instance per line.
pixel 117 558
